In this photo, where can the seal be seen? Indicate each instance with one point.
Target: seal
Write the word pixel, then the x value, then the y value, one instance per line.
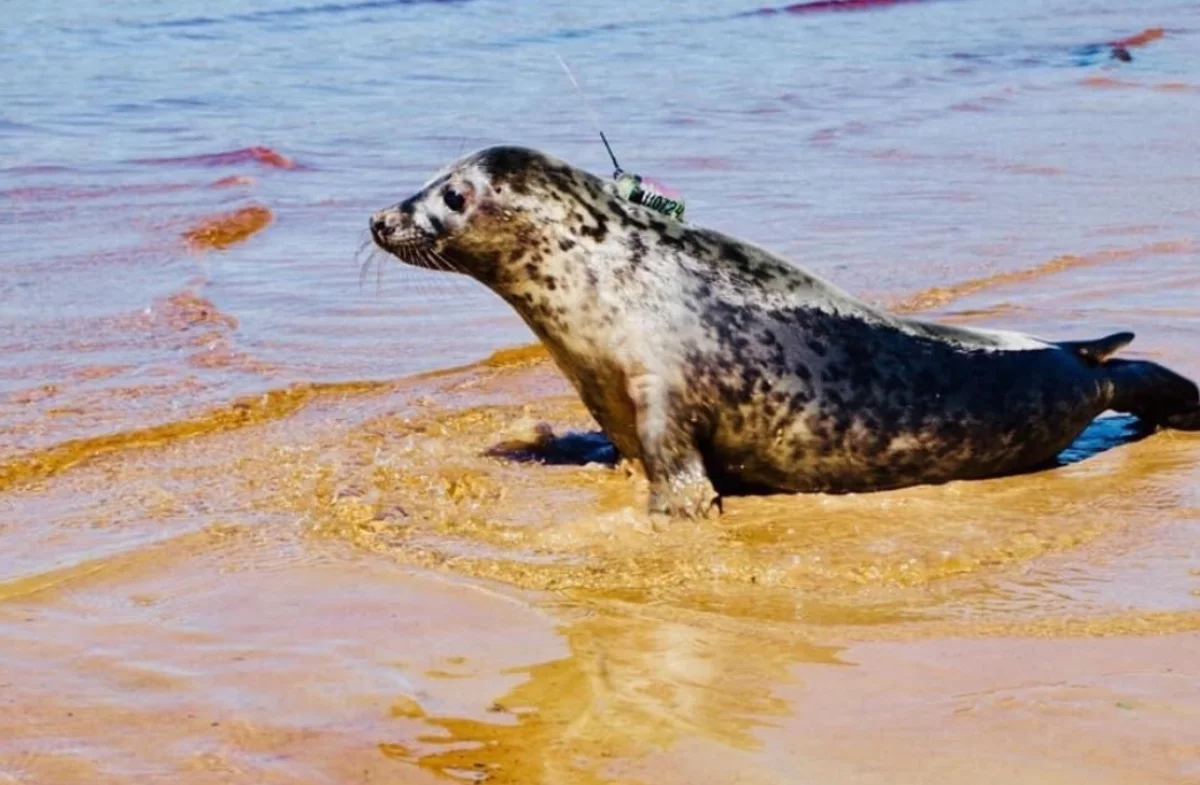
pixel 725 369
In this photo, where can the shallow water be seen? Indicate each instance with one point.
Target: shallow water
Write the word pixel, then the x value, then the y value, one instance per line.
pixel 244 539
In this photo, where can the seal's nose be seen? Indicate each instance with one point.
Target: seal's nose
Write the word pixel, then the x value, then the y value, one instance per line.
pixel 381 230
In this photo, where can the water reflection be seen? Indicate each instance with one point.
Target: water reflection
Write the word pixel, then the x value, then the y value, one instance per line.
pixel 632 685
pixel 1105 433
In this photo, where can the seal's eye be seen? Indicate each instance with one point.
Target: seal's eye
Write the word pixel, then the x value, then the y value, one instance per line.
pixel 454 200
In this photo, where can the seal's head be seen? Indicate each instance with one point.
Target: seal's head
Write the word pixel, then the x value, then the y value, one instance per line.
pixel 484 215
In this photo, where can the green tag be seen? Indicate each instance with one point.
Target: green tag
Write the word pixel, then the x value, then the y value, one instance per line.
pixel 631 188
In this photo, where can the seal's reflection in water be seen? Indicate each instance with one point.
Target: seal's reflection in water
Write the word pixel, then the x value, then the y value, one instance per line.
pixel 1104 434
pixel 632 685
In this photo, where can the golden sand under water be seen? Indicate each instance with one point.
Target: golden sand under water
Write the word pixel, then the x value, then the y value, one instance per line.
pixel 940 295
pixel 221 231
pixel 444 578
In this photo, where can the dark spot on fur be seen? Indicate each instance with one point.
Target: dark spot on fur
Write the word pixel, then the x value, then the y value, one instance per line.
pixel 557 180
pixel 600 229
pixel 566 244
pixel 734 254
pixel 832 374
pixel 669 240
pixel 597 232
pixel 512 165
pixel 637 249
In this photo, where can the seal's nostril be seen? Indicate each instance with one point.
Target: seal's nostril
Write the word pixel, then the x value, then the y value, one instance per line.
pixel 381 229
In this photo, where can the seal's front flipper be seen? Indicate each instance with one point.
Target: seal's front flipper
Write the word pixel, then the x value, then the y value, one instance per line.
pixel 679 484
pixel 693 497
pixel 1097 352
pixel 1155 394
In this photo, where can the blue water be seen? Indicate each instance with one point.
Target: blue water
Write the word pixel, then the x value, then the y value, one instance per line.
pixel 890 149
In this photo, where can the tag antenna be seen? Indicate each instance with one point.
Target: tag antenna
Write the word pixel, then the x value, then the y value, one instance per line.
pixel 611 155
pixel 592 112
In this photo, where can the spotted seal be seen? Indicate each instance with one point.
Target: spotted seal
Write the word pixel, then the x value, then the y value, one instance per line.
pixel 725 369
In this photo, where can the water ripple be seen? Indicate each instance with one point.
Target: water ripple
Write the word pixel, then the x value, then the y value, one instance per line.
pixel 286 13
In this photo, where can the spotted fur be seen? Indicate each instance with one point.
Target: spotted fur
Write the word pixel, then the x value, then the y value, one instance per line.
pixel 723 368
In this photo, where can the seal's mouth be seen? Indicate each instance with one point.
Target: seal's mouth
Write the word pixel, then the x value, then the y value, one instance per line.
pixel 395 233
pixel 408 243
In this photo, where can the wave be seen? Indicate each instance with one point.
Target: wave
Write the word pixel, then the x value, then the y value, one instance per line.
pixel 257 154
pixel 940 295
pixel 241 413
pixel 285 13
pixel 821 6
pixel 250 410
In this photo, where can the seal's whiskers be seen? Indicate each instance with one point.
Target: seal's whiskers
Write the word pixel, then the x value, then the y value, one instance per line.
pixel 378 276
pixel 419 269
pixel 370 259
pixel 447 265
pixel 438 263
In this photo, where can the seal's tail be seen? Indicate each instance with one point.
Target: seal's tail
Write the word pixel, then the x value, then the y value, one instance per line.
pixel 1154 394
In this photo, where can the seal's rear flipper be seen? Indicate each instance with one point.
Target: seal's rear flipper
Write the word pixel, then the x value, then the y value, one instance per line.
pixel 1154 394
pixel 1096 352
